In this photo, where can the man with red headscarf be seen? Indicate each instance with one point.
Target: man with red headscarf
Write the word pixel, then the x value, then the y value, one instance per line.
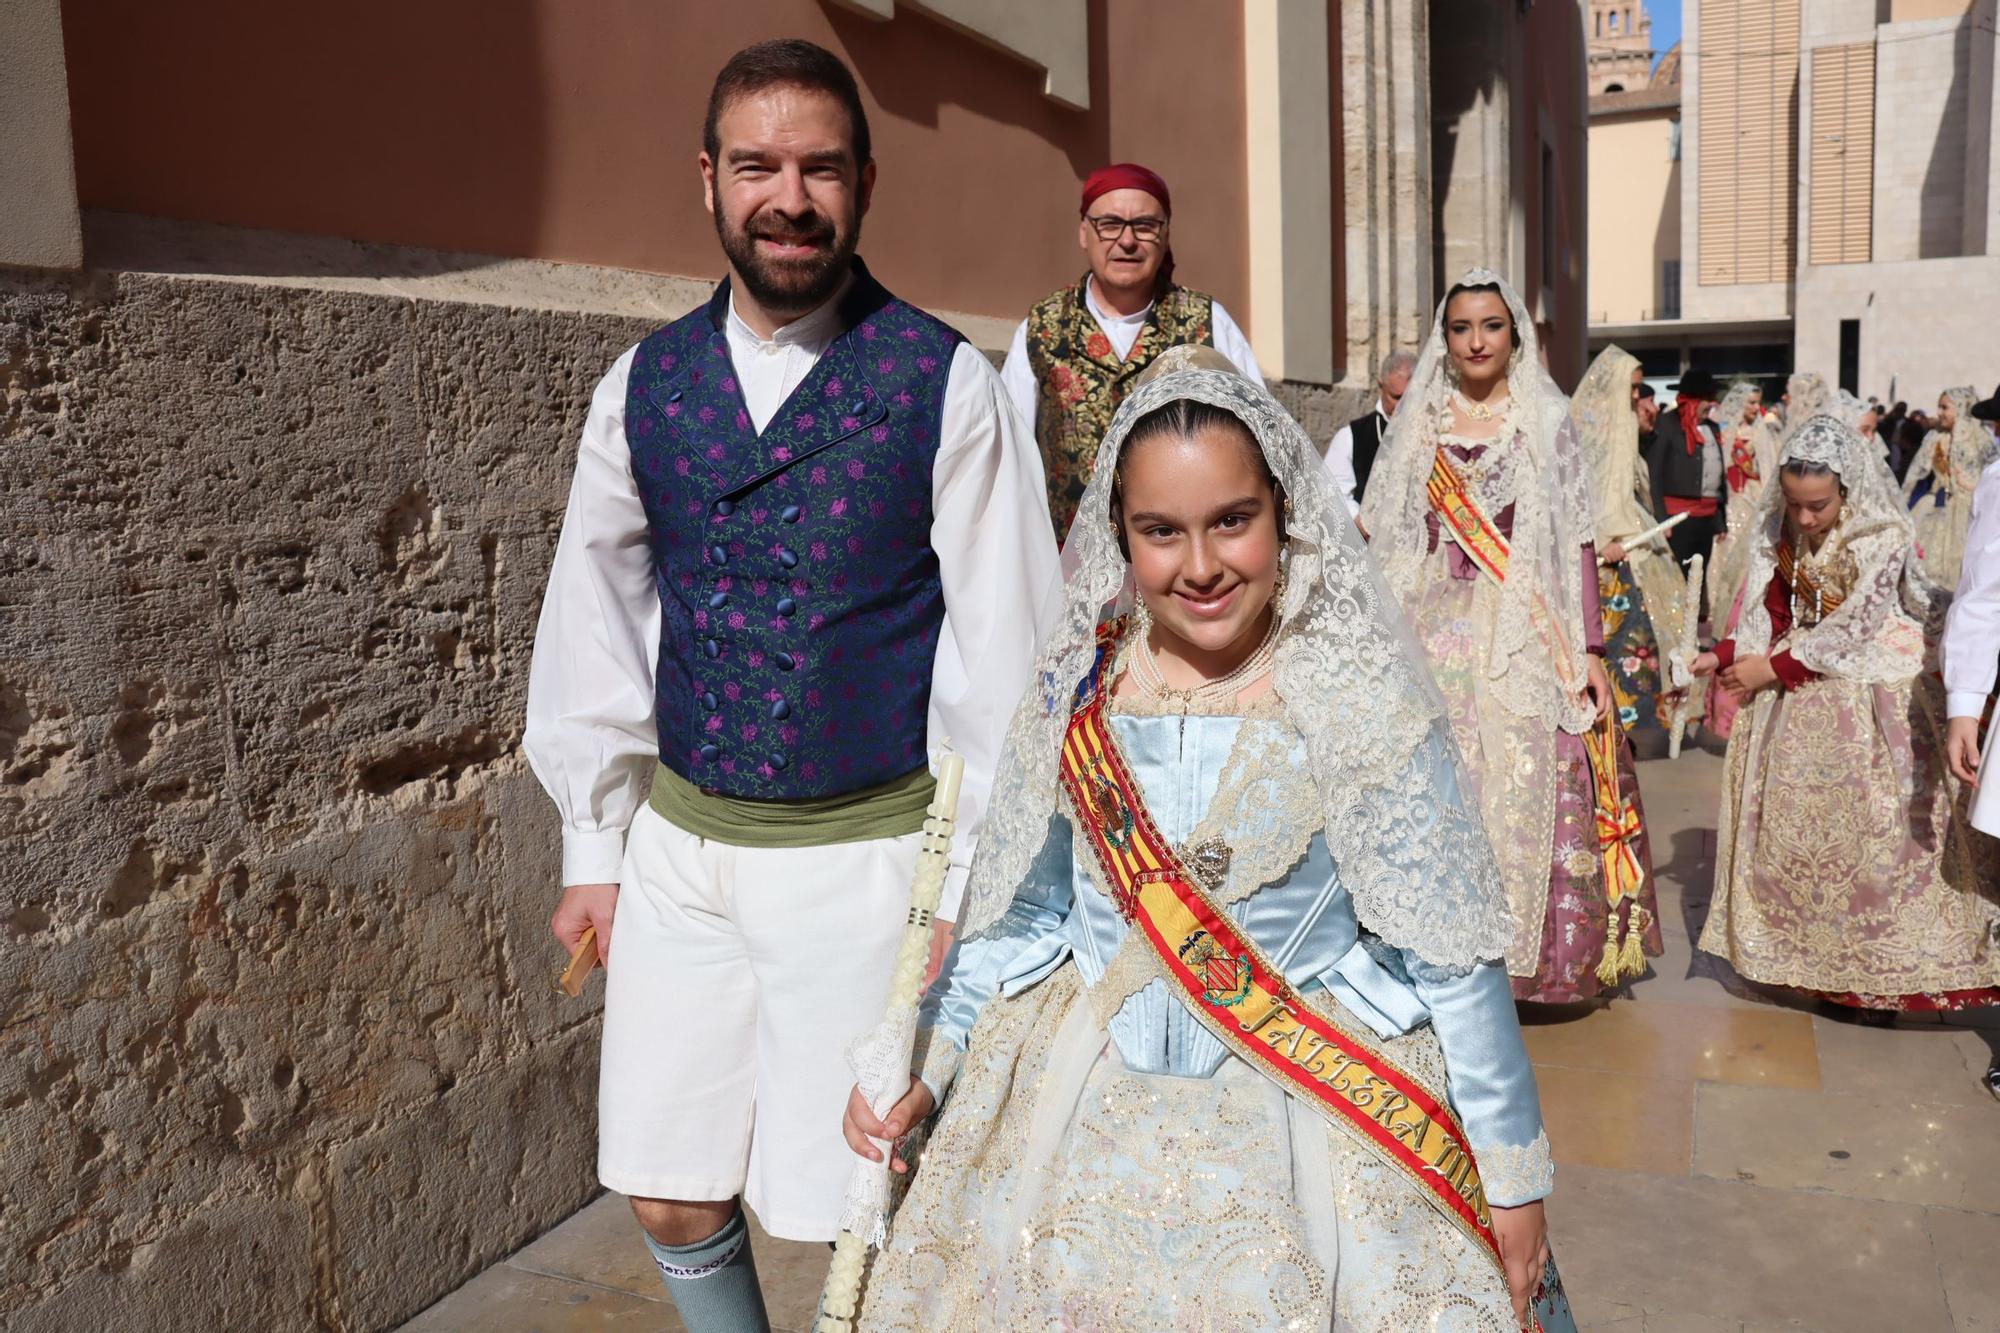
pixel 1080 350
pixel 1687 468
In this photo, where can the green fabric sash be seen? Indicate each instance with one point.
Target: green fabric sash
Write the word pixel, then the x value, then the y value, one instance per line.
pixel 887 810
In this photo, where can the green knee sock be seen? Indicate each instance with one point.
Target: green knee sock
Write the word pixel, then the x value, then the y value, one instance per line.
pixel 713 1282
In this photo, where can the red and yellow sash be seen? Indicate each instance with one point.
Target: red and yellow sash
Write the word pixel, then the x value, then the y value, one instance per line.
pixel 1482 541
pixel 1238 994
pixel 1476 533
pixel 1618 830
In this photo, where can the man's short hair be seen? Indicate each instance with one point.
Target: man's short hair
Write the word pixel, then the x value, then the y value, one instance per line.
pixel 787 62
pixel 1400 359
pixel 1646 391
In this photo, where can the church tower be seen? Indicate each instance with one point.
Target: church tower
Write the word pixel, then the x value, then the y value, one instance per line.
pixel 1618 35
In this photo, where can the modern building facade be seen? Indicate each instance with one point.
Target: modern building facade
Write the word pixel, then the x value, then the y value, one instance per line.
pixel 1899 217
pixel 1837 211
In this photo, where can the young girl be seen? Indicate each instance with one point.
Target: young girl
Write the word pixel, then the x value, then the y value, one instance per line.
pixel 1842 867
pixel 1226 1031
pixel 1480 511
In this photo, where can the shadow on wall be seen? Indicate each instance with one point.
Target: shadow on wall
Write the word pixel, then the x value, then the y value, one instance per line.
pixel 425 122
pixel 1941 205
pixel 1667 244
pixel 1464 71
pixel 898 63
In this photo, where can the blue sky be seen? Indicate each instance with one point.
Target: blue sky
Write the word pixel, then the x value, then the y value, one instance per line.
pixel 1666 22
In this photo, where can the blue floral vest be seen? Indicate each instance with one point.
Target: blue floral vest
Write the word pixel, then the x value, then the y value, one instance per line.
pixel 799 594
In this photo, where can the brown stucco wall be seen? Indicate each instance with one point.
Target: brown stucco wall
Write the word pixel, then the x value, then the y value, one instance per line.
pixel 557 130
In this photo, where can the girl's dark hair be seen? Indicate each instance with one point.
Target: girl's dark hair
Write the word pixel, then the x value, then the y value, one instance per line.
pixel 1803 467
pixel 1460 288
pixel 788 62
pixel 1184 418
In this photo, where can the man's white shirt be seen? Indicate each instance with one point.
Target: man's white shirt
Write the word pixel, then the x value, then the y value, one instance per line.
pixel 1340 458
pixel 591 736
pixel 1972 626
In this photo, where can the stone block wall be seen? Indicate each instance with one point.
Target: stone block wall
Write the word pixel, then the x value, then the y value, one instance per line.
pixel 280 1045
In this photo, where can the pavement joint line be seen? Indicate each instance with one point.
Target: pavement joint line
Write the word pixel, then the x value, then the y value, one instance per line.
pixel 513 1262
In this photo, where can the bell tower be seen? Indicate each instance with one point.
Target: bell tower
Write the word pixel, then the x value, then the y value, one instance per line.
pixel 1618 34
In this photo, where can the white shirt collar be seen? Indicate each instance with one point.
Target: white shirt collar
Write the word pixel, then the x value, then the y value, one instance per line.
pixel 1110 316
pixel 1380 410
pixel 814 329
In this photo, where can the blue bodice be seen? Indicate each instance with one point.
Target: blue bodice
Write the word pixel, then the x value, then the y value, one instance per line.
pixel 1306 924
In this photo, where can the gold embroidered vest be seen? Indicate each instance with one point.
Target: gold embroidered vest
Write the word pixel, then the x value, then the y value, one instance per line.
pixel 1081 381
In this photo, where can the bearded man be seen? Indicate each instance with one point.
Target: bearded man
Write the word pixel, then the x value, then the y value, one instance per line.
pixel 807 539
pixel 1080 350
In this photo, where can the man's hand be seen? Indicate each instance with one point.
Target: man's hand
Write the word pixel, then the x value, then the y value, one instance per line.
pixel 1523 1234
pixel 1961 747
pixel 860 1125
pixel 1747 675
pixel 585 905
pixel 1705 664
pixel 1612 552
pixel 1598 686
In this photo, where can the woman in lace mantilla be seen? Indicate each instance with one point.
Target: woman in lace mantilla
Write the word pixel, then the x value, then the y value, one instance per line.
pixel 1938 487
pixel 1641 592
pixel 1519 656
pixel 1103 1157
pixel 1844 865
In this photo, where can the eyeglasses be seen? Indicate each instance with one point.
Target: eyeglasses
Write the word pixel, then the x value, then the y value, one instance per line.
pixel 1143 229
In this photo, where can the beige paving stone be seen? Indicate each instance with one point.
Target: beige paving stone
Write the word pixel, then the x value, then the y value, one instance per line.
pixel 505 1299
pixel 1866 1147
pixel 1930 1062
pixel 1680 1041
pixel 1967 1246
pixel 1724 1251
pixel 1621 1318
pixel 1623 1121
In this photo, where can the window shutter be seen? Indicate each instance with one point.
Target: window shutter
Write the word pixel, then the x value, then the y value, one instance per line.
pixel 1748 204
pixel 1843 154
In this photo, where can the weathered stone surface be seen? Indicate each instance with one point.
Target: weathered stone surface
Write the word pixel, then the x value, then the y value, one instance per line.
pixel 279 1047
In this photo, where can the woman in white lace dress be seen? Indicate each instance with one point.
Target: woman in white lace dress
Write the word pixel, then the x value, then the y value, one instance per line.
pixel 1843 865
pixel 1938 487
pixel 1149 1123
pixel 1480 511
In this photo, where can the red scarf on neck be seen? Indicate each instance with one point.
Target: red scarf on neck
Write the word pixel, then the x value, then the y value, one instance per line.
pixel 1693 412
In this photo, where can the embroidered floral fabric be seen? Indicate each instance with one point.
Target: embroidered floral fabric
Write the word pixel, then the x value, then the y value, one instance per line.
pixel 1083 379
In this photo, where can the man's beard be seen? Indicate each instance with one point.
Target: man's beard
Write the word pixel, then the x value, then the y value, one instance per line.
pixel 789 286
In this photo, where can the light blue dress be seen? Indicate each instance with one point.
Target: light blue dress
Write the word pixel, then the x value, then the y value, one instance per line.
pixel 1306 925
pixel 1101 1161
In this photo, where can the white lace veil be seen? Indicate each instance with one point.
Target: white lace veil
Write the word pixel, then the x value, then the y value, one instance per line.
pixel 1608 432
pixel 1352 680
pixel 1879 633
pixel 1806 396
pixel 1549 485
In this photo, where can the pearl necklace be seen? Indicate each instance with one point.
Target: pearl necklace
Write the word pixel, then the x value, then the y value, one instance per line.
pixel 1479 411
pixel 1148 676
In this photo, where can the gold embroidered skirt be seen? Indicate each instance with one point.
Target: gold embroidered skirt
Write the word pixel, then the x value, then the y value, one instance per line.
pixel 1844 862
pixel 1061 1189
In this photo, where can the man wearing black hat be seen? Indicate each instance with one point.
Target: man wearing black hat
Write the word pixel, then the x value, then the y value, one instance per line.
pixel 1686 464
